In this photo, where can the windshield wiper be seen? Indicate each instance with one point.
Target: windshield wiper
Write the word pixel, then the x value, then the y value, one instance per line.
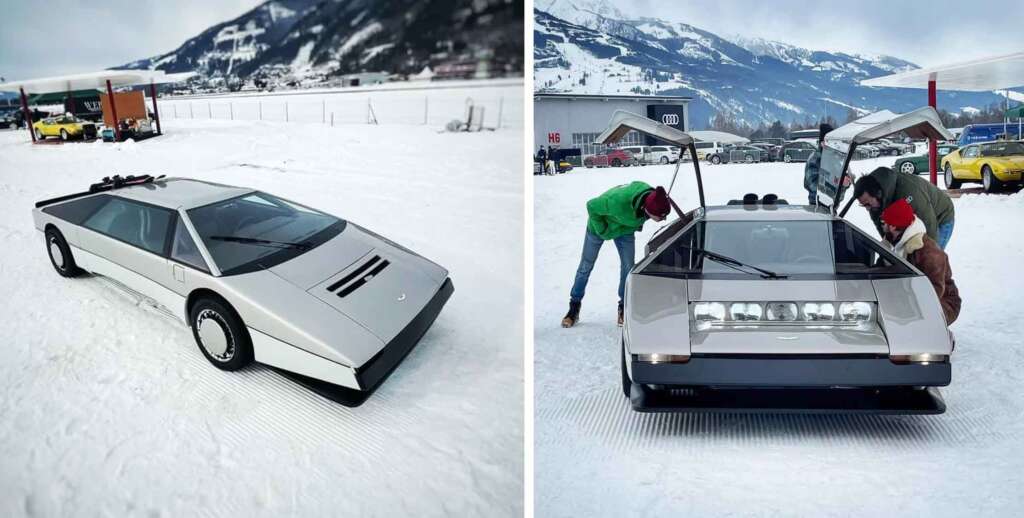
pixel 729 261
pixel 261 242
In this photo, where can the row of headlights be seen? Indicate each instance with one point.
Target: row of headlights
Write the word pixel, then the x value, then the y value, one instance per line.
pixel 706 314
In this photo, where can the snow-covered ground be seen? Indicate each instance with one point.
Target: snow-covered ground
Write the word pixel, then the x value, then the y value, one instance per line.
pixel 596 457
pixel 111 410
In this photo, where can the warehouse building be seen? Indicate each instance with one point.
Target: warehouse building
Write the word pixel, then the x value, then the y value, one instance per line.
pixel 575 120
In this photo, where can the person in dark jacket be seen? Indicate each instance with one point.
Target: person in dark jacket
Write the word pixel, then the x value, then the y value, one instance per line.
pixel 615 216
pixel 813 166
pixel 931 205
pixel 908 237
pixel 542 159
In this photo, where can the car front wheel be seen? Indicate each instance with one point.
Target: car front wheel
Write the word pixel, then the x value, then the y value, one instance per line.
pixel 220 334
pixel 60 254
pixel 786 159
pixel 39 134
pixel 616 162
pixel 908 167
pixel 63 134
pixel 715 159
pixel 664 160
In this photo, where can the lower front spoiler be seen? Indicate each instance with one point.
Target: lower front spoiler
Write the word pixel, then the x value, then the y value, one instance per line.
pixel 372 373
pixel 888 400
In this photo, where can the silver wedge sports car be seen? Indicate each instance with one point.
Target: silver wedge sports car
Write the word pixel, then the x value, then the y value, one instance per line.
pixel 257 278
pixel 758 305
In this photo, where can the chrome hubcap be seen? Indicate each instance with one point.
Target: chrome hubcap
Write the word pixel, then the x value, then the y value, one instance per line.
pixel 907 167
pixel 56 254
pixel 987 179
pixel 214 335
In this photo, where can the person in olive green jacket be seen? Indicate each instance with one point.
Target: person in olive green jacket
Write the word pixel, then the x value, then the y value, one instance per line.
pixel 615 215
pixel 932 206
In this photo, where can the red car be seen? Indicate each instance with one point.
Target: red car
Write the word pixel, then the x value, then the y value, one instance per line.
pixel 612 157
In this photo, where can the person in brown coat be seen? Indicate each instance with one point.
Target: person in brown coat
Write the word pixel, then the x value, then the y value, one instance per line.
pixel 910 241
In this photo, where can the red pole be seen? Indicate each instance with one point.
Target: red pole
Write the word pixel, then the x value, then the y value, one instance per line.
pixel 28 115
pixel 113 112
pixel 933 154
pixel 156 113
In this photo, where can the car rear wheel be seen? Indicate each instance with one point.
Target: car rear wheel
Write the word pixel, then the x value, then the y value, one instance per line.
pixel 39 134
pixel 63 134
pixel 220 334
pixel 749 159
pixel 715 159
pixel 664 160
pixel 947 177
pixel 786 159
pixel 908 167
pixel 989 180
pixel 60 254
pixel 616 162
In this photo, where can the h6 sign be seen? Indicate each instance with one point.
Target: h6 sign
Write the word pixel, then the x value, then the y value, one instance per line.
pixel 554 138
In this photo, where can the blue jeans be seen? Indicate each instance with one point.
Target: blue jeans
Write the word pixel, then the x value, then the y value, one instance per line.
pixel 944 232
pixel 591 246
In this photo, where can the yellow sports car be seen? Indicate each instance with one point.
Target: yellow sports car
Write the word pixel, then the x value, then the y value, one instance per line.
pixel 994 164
pixel 64 126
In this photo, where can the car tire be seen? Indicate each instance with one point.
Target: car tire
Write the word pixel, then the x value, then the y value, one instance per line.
pixel 908 167
pixel 616 162
pixel 989 180
pixel 12 126
pixel 626 382
pixel 749 159
pixel 786 159
pixel 715 159
pixel 64 134
pixel 664 160
pixel 39 134
pixel 60 254
pixel 950 181
pixel 220 334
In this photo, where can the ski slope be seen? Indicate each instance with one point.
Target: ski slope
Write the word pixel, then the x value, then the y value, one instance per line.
pixel 111 410
pixel 596 457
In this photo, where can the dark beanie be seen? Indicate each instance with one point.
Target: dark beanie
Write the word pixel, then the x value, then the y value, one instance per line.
pixel 656 202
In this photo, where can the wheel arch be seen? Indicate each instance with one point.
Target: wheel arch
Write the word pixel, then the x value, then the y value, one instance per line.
pixel 201 293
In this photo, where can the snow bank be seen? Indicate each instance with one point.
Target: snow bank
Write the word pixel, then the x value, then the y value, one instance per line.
pixel 596 457
pixel 111 410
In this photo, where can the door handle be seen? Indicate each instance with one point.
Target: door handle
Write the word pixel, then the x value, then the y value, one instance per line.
pixel 179 272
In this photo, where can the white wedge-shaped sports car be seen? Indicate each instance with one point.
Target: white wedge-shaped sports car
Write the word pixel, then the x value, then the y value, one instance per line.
pixel 257 278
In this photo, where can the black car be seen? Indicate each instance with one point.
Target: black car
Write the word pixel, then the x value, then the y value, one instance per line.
pixel 797 151
pixel 771 152
pixel 11 117
pixel 738 153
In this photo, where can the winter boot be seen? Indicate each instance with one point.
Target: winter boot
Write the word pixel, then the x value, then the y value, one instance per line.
pixel 573 315
pixel 620 313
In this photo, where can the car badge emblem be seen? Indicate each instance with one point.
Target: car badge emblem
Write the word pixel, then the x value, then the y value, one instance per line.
pixel 401 297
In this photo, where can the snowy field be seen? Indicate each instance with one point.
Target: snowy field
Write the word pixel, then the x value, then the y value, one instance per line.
pixel 596 457
pixel 111 410
pixel 431 103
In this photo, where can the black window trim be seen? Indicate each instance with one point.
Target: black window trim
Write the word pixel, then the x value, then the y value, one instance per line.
pixel 170 246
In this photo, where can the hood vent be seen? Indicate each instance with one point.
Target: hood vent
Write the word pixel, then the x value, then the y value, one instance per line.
pixel 360 276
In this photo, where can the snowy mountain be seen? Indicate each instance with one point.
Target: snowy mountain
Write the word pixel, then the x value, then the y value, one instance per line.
pixel 311 41
pixel 589 46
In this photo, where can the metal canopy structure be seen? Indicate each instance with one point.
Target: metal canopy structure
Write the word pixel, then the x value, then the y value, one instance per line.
pixel 717 136
pixel 978 75
pixel 622 122
pixel 108 79
pixel 923 122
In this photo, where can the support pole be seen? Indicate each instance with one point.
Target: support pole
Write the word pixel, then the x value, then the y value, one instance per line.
pixel 27 114
pixel 71 99
pixel 933 155
pixel 156 113
pixel 501 106
pixel 113 112
pixel 696 167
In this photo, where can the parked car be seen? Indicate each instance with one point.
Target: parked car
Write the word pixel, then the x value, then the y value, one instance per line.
pixel 994 164
pixel 770 152
pixel 707 148
pixel 664 155
pixel 641 154
pixel 758 305
pixel 871 150
pixel 917 164
pixel 737 153
pixel 610 158
pixel 676 152
pixel 11 117
pixel 887 147
pixel 65 126
pixel 797 151
pixel 257 278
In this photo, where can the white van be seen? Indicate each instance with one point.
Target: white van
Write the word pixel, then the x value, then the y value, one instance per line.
pixel 664 154
pixel 707 148
pixel 642 154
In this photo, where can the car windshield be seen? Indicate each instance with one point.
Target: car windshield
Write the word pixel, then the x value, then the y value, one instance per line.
pixel 796 249
pixel 1003 149
pixel 258 231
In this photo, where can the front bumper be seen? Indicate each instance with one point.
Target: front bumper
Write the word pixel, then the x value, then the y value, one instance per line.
pixel 792 371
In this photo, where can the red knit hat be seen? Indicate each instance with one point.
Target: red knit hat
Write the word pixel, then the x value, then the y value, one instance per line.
pixel 899 214
pixel 656 203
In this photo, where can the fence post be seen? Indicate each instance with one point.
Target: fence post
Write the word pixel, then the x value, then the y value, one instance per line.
pixel 332 119
pixel 231 108
pixel 259 105
pixel 209 109
pixel 286 111
pixel 426 105
pixel 191 112
pixel 323 111
pixel 501 105
pixel 175 110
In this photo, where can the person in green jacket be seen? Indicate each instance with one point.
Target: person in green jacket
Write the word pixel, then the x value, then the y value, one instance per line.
pixel 615 215
pixel 883 186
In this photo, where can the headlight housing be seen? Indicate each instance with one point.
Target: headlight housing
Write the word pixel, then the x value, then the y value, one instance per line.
pixel 751 314
pixel 855 311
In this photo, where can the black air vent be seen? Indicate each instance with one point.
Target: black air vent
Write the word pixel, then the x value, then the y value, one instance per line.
pixel 360 276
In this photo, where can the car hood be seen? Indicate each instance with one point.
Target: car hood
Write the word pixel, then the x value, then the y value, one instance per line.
pixel 370 280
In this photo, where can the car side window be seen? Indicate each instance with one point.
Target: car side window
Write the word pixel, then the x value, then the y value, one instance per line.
pixel 971 152
pixel 134 223
pixel 184 249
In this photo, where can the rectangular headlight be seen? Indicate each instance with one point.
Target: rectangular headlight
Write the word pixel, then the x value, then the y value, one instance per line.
pixel 855 311
pixel 781 311
pixel 819 311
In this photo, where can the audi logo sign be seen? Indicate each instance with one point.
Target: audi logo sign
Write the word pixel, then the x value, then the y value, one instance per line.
pixel 672 119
